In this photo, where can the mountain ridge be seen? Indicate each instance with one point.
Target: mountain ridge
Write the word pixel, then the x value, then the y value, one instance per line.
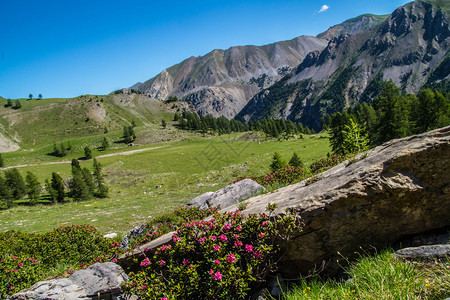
pixel 408 48
pixel 224 82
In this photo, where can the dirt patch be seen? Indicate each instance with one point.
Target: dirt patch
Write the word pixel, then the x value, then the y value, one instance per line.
pixel 6 145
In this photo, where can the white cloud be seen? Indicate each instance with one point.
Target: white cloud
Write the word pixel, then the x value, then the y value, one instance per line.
pixel 324 8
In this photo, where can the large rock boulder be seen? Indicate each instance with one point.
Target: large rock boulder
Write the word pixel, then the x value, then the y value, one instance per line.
pixel 229 195
pixel 392 192
pixel 399 189
pixel 99 281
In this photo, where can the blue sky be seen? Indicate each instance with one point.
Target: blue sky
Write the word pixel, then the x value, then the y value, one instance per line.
pixel 64 48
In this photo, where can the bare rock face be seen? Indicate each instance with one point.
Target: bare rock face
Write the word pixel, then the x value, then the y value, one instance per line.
pixel 400 189
pixel 429 252
pixel 99 281
pixel 229 195
pixel 221 82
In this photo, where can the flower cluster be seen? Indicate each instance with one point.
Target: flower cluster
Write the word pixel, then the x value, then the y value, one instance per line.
pixel 16 273
pixel 30 257
pixel 224 257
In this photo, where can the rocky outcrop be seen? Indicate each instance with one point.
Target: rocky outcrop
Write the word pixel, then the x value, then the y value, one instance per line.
pixel 424 253
pixel 229 195
pixel 221 82
pixel 99 281
pixel 401 188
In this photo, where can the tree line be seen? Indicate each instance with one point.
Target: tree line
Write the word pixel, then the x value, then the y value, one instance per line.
pixel 279 128
pixel 393 114
pixel 83 185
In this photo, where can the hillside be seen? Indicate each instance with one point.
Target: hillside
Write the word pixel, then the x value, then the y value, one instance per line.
pixel 411 47
pixel 46 121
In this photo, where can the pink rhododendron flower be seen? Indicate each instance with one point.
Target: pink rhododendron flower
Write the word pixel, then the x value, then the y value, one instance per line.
pixel 231 258
pixel 238 228
pixel 161 262
pixel 211 272
pixel 216 248
pixel 114 260
pixel 202 239
pixel 223 237
pixel 262 234
pixel 145 262
pixel 249 248
pixel 212 238
pixel 163 298
pixel 257 254
pixel 20 264
pixel 238 244
pixel 217 276
pixel 185 262
pixel 217 261
pixel 265 223
pixel 165 247
pixel 236 236
pixel 226 227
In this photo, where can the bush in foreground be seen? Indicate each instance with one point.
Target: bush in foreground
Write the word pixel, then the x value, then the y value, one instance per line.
pixel 223 258
pixel 26 258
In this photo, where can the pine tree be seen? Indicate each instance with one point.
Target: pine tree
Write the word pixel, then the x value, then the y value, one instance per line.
pixel 133 123
pixel 58 186
pixel 337 138
pixel 128 134
pixel 8 103
pixel 2 163
pixel 78 188
pixel 87 177
pixel 105 144
pixel 163 124
pixel 17 105
pixel 33 187
pixel 63 151
pixel 102 189
pixel 50 190
pixel 355 140
pixel 277 162
pixel 295 161
pixel 56 151
pixel 87 152
pixel 274 130
pixel 5 194
pixel 15 183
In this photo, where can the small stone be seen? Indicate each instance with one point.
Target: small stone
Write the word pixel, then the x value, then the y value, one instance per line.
pixel 110 235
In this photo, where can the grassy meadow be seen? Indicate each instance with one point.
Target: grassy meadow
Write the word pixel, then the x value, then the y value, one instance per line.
pixel 184 164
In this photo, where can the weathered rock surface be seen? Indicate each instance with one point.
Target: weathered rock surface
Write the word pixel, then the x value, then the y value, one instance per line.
pixel 229 195
pixel 99 281
pixel 401 188
pixel 430 252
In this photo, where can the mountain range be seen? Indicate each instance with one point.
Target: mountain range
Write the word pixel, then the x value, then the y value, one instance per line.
pixel 306 77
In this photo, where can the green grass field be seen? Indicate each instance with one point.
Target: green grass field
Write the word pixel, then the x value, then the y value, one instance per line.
pixel 185 167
